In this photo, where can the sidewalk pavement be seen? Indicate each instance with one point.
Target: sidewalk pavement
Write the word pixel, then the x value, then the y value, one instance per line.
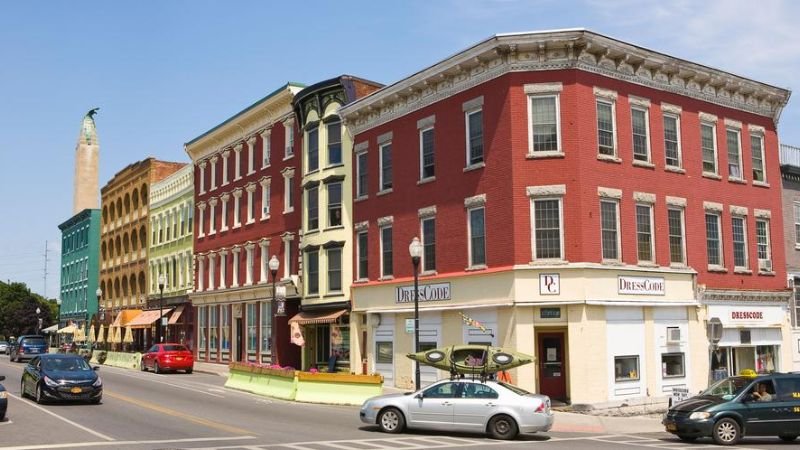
pixel 564 421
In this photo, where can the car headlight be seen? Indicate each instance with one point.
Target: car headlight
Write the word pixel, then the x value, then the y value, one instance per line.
pixel 3 394
pixel 699 415
pixel 98 382
pixel 50 382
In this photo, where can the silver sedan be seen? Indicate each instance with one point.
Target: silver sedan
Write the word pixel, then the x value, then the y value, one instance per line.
pixel 501 409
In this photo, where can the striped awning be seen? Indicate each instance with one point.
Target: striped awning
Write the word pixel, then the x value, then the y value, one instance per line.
pixel 173 319
pixel 146 318
pixel 310 318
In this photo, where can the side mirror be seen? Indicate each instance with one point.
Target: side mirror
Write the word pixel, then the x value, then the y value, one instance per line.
pixel 419 396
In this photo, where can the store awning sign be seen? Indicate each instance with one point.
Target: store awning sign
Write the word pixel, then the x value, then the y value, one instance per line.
pixel 747 315
pixel 427 293
pixel 641 285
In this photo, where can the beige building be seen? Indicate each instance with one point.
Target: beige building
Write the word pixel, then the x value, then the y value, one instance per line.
pixel 124 237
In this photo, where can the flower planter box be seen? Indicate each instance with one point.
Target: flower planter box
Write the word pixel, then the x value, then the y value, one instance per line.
pixel 337 388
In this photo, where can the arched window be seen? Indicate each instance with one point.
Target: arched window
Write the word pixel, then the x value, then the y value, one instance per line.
pixel 126 244
pixel 105 215
pixel 143 193
pixel 127 203
pixel 135 198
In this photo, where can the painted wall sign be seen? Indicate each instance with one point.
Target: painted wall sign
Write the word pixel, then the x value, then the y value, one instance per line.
pixel 427 293
pixel 746 315
pixel 641 285
pixel 549 284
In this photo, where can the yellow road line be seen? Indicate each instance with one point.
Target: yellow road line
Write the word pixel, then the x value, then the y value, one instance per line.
pixel 172 412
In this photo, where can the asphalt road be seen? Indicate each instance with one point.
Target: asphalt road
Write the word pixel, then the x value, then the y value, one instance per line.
pixel 171 411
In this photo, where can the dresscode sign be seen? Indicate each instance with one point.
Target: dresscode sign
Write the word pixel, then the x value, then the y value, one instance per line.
pixel 427 293
pixel 641 285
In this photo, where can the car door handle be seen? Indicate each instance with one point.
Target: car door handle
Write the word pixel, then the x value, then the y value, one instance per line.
pixel 446 404
pixel 490 404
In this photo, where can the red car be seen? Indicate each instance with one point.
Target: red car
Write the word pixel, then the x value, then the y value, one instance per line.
pixel 163 357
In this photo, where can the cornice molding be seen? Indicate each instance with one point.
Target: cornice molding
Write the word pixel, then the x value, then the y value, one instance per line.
pixel 558 50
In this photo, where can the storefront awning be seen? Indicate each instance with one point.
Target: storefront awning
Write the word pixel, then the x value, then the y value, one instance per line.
pixel 67 330
pixel 50 329
pixel 309 318
pixel 125 316
pixel 146 318
pixel 176 315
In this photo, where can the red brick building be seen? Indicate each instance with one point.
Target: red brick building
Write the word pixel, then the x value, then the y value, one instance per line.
pixel 247 212
pixel 589 201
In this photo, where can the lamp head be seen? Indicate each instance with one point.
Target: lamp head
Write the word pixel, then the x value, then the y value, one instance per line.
pixel 274 264
pixel 98 292
pixel 38 310
pixel 58 301
pixel 415 248
pixel 162 280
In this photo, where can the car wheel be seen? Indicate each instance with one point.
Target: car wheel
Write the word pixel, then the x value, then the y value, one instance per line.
pixel 142 367
pixel 503 427
pixel 22 389
pixel 685 438
pixel 156 369
pixel 727 432
pixel 391 420
pixel 39 395
pixel 189 370
pixel 96 401
pixel 788 437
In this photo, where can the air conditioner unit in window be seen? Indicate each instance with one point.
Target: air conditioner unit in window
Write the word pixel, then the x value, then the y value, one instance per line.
pixel 765 265
pixel 673 335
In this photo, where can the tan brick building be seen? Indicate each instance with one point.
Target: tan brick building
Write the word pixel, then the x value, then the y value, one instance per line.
pixel 123 238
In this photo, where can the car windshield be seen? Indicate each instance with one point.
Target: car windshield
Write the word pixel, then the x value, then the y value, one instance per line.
pixel 175 348
pixel 66 364
pixel 34 341
pixel 514 389
pixel 728 388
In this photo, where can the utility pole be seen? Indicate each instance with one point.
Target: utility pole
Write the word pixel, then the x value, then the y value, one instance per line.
pixel 45 269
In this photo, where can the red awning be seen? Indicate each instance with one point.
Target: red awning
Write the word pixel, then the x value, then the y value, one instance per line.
pixel 309 318
pixel 146 318
pixel 176 315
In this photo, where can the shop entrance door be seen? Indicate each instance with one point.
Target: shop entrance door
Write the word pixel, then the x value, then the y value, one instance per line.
pixel 552 366
pixel 239 351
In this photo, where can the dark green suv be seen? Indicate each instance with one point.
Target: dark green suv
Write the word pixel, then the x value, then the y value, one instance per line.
pixel 766 405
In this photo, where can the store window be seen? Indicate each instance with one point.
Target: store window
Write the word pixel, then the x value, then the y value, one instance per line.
pixel 765 358
pixel 266 327
pixel 672 365
pixel 226 328
pixel 213 324
pixel 333 340
pixel 384 352
pixel 202 324
pixel 252 321
pixel 626 368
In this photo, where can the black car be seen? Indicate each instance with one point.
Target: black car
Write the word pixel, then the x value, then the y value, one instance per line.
pixel 58 376
pixel 3 400
pixel 27 347
pixel 767 405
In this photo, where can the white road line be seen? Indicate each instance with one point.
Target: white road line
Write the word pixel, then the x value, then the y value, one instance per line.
pixel 76 425
pixel 118 443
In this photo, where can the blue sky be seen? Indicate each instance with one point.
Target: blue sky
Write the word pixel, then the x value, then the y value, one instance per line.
pixel 164 72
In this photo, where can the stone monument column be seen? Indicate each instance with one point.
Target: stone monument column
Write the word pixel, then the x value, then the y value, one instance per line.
pixel 86 192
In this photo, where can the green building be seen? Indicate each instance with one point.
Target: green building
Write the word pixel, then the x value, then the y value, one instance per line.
pixel 80 256
pixel 170 256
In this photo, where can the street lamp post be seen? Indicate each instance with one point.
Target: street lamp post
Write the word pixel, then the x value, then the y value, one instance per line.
pixel 273 269
pixel 415 249
pixel 100 309
pixel 58 323
pixel 162 280
pixel 38 320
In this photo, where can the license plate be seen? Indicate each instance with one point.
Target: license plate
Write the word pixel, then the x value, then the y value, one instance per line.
pixel 34 350
pixel 75 390
pixel 179 358
pixel 672 427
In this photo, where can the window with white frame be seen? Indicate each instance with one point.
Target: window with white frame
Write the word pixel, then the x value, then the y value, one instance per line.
pixel 426 153
pixel 334 131
pixel 672 144
pixel 733 139
pixel 428 226
pixel 609 228
pixel 547 232
pixel 361 174
pixel 312 271
pixel 334 269
pixel 677 251
pixel 363 255
pixel 251 154
pixel 386 166
pixel 739 229
pixel 334 204
pixel 266 148
pixel 387 264
pixel 266 189
pixel 757 147
pixel 477 236
pixel 606 140
pixel 544 123
pixel 474 138
pixel 708 142
pixel 644 233
pixel 249 248
pixel 312 207
pixel 251 189
pixel 641 134
pixel 312 152
pixel 713 239
pixel 288 192
pixel 288 139
pixel 796 206
pixel 763 243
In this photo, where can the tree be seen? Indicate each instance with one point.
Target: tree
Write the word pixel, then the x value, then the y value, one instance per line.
pixel 18 310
